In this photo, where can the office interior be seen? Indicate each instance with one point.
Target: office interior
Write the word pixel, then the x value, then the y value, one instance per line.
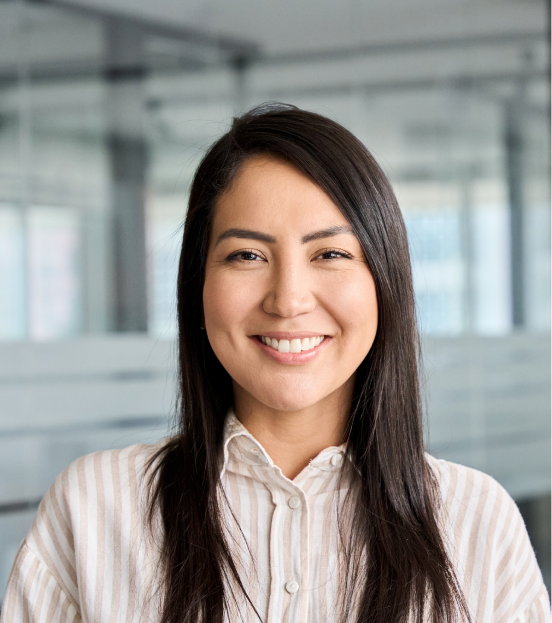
pixel 106 107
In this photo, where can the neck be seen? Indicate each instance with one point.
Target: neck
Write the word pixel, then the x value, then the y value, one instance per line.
pixel 293 438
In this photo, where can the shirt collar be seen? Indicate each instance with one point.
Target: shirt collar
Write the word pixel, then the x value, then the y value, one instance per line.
pixel 240 445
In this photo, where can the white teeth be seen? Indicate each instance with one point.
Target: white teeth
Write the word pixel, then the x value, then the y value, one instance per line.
pixel 283 346
pixel 293 346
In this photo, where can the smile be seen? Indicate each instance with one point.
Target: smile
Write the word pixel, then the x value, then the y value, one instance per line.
pixel 290 350
pixel 292 346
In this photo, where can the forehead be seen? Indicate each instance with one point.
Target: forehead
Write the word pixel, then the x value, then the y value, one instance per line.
pixel 270 193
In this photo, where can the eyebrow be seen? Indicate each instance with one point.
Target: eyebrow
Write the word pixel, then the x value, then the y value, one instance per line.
pixel 257 235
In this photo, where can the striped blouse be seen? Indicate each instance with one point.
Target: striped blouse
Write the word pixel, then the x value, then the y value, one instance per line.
pixel 89 556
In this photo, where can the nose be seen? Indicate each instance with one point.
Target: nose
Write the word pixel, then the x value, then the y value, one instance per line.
pixel 290 292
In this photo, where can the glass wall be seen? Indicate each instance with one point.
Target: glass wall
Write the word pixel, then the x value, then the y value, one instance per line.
pixel 103 119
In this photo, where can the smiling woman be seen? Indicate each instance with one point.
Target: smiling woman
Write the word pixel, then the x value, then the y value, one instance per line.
pixel 297 488
pixel 297 276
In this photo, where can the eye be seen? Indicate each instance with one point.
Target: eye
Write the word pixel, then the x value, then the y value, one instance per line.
pixel 333 254
pixel 244 256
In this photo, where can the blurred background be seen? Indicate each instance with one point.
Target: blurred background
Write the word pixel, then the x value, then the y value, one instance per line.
pixel 106 107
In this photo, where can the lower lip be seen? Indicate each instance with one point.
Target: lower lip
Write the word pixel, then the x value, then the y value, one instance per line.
pixel 292 359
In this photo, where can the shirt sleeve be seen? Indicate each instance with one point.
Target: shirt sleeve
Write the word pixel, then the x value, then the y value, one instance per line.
pixel 33 594
pixel 537 612
pixel 488 542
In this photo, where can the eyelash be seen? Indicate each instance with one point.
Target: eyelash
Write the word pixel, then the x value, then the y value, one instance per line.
pixel 238 257
pixel 342 254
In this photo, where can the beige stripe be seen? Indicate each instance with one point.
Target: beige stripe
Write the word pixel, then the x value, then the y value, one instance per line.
pixel 461 521
pixel 268 573
pixel 53 603
pixel 145 563
pixel 254 543
pixel 100 537
pixel 15 580
pixel 510 534
pixel 116 522
pixel 54 611
pixel 83 523
pixel 521 583
pixel 536 606
pixel 134 528
pixel 44 578
pixel 542 607
pixel 59 514
pixel 472 545
pixel 288 570
pixel 66 484
pixel 234 532
pixel 46 546
pixel 505 565
pixel 65 606
pixel 237 543
pixel 324 595
pixel 446 513
pixel 485 576
pixel 27 585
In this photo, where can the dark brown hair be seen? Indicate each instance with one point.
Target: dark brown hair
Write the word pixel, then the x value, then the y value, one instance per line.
pixel 396 561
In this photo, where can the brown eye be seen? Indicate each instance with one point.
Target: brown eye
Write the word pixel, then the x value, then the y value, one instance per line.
pixel 244 256
pixel 333 254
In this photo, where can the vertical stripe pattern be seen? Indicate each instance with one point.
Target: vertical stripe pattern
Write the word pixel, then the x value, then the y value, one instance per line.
pixel 90 557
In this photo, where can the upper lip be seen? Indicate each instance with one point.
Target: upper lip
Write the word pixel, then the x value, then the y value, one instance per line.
pixel 290 335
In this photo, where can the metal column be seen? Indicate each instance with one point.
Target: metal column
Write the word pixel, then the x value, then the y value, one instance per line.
pixel 514 176
pixel 127 153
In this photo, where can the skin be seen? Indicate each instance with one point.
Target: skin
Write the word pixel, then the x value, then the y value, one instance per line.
pixel 252 287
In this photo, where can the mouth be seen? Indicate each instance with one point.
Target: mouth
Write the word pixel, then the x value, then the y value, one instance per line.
pixel 291 350
pixel 296 345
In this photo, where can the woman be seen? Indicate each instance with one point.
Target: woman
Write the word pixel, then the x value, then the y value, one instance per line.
pixel 296 488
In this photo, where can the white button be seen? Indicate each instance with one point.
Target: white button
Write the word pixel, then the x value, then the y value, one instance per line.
pixel 292 587
pixel 294 502
pixel 337 460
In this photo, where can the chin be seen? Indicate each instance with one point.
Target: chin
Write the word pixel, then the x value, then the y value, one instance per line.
pixel 287 398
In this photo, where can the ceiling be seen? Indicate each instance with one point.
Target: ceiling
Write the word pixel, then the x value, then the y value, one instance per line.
pixel 295 26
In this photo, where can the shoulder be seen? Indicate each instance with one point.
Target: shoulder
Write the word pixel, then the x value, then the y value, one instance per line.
pixel 475 507
pixel 488 543
pixel 97 480
pixel 467 487
pixel 99 499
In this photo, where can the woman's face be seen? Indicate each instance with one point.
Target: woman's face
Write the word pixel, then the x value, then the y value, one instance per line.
pixel 284 267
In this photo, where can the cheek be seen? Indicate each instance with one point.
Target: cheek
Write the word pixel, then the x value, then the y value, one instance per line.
pixel 219 305
pixel 226 303
pixel 354 305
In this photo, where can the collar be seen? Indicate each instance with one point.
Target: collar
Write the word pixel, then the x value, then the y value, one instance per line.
pixel 239 446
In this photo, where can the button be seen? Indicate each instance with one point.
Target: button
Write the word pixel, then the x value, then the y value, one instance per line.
pixel 337 460
pixel 294 502
pixel 258 455
pixel 292 587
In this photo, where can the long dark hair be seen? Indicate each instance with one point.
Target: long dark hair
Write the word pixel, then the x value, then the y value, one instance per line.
pixel 406 570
